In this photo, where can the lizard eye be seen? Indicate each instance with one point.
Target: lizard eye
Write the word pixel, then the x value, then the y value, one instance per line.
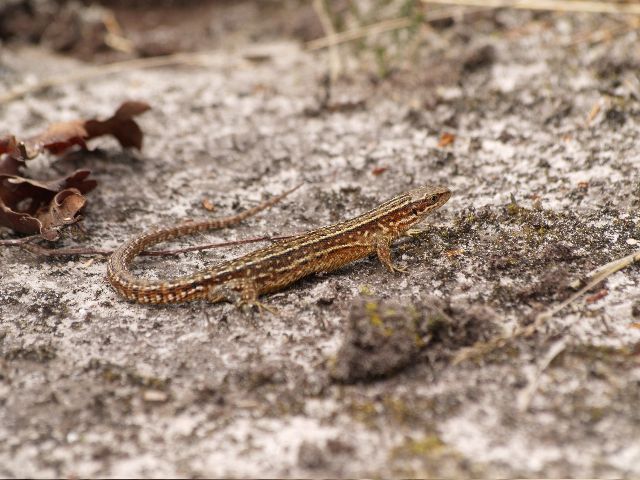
pixel 434 198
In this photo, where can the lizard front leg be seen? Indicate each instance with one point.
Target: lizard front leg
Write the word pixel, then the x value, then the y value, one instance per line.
pixel 383 250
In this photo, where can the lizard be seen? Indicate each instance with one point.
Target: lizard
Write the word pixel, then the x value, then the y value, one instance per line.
pixel 242 280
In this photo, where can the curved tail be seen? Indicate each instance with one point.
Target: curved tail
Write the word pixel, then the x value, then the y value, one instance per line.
pixel 145 291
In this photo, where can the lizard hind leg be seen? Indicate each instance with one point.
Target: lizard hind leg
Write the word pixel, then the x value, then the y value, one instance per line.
pixel 241 292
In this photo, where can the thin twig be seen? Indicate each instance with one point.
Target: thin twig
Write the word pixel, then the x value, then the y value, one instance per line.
pixel 14 242
pixel 356 33
pixel 606 34
pixel 69 251
pixel 525 398
pixel 335 63
pixel 595 277
pixel 551 5
pixel 195 58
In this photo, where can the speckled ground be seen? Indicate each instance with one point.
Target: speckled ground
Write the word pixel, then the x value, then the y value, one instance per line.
pixel 91 385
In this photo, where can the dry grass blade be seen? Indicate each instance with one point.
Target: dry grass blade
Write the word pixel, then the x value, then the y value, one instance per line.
pixel 551 5
pixel 72 251
pixel 607 34
pixel 527 395
pixel 385 26
pixel 594 278
pixel 16 242
pixel 334 54
pixel 356 33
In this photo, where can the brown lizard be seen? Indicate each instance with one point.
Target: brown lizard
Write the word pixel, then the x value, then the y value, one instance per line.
pixel 274 267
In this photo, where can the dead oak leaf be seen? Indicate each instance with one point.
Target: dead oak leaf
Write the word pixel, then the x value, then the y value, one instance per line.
pixel 121 125
pixel 57 138
pixel 9 145
pixel 40 207
pixel 62 211
pixel 19 222
pixel 61 136
pixel 9 165
pixel 28 195
pixel 446 139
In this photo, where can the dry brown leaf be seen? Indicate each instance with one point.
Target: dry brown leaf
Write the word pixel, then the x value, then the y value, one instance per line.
pixel 61 136
pixel 9 145
pixel 19 222
pixel 43 207
pixel 32 194
pixel 33 207
pixel 9 165
pixel 208 205
pixel 597 296
pixel 121 125
pixel 446 139
pixel 57 138
pixel 63 210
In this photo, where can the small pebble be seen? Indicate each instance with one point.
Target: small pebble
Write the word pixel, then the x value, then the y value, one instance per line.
pixel 155 396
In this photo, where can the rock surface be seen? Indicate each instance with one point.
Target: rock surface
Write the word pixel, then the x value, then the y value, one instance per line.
pixel 544 168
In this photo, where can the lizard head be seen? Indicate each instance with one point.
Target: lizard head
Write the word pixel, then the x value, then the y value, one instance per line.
pixel 423 200
pixel 411 207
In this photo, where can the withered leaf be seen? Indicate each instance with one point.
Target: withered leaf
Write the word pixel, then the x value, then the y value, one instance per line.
pixel 28 195
pixel 61 136
pixel 43 207
pixel 121 125
pixel 19 222
pixel 9 145
pixel 62 210
pixel 9 165
pixel 446 139
pixel 57 138
pixel 31 206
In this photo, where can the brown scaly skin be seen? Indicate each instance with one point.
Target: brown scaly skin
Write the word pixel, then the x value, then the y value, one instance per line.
pixel 272 268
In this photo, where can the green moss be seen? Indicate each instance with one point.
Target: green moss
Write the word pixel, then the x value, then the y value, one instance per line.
pixel 406 411
pixel 365 412
pixel 372 312
pixel 426 447
pixel 596 414
pixel 434 459
pixel 366 290
pixel 513 209
pixel 376 319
